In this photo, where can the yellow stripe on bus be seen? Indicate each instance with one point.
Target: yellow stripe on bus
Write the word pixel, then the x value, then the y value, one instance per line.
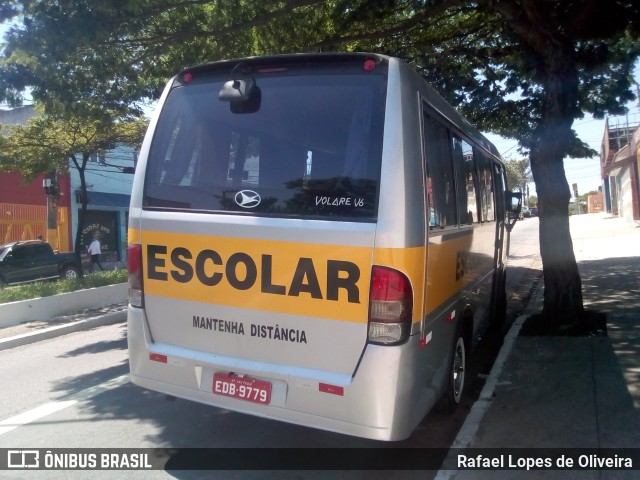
pixel 316 280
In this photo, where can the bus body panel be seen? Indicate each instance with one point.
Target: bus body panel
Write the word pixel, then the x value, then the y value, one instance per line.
pixel 286 300
pixel 383 401
pixel 273 300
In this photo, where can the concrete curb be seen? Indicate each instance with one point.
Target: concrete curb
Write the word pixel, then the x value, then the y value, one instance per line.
pixel 46 308
pixel 467 433
pixel 55 331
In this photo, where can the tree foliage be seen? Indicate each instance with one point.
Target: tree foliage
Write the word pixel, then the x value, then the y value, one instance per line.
pixel 518 174
pixel 114 54
pixel 47 143
pixel 525 69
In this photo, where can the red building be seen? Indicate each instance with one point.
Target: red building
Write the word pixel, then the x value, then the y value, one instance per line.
pixel 620 166
pixel 26 210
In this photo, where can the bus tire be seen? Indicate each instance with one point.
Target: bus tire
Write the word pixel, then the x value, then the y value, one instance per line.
pixel 454 389
pixel 499 313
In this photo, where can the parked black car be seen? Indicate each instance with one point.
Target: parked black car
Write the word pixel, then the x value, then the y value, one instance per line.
pixel 32 260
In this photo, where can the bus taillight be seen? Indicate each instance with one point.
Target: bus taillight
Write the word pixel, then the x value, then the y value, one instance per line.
pixel 134 266
pixel 390 306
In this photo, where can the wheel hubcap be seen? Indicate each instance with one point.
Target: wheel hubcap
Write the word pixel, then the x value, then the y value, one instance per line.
pixel 458 370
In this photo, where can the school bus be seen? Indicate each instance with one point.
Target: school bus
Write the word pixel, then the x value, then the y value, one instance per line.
pixel 316 239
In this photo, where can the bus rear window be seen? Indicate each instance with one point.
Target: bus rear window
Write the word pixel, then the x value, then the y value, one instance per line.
pixel 312 149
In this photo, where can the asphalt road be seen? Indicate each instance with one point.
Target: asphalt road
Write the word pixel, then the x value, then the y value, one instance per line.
pixel 73 391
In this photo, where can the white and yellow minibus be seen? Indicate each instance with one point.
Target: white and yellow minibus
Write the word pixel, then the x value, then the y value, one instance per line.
pixel 313 238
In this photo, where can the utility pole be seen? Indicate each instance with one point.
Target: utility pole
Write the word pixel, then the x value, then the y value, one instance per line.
pixel 50 185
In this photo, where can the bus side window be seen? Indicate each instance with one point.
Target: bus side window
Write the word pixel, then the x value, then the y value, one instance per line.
pixel 500 187
pixel 440 179
pixel 471 173
pixel 467 180
pixel 486 189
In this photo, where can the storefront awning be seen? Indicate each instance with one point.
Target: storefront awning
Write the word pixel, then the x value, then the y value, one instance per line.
pixel 102 199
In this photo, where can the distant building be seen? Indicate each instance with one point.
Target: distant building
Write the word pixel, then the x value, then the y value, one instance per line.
pixel 595 203
pixel 26 211
pixel 16 116
pixel 620 164
pixel 108 195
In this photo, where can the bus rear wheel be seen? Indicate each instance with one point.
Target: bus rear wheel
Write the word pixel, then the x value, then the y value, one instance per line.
pixel 452 395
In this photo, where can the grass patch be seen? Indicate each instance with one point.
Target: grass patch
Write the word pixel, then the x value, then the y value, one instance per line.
pixel 46 289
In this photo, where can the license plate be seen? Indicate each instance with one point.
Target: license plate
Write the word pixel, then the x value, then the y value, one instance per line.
pixel 242 388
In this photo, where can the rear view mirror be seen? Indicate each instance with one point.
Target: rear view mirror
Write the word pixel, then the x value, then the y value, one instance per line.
pixel 237 90
pixel 514 206
pixel 243 95
pixel 516 201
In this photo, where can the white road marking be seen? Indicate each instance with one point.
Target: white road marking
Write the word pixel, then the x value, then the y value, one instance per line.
pixel 37 413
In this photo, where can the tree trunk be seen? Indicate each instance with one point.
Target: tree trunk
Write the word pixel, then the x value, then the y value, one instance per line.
pixel 562 284
pixel 563 303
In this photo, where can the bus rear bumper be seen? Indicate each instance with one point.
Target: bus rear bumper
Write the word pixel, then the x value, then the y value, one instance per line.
pixel 362 405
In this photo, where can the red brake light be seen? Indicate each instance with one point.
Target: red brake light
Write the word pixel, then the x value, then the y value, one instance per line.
pixel 389 285
pixel 272 69
pixel 369 65
pixel 390 306
pixel 134 260
pixel 134 266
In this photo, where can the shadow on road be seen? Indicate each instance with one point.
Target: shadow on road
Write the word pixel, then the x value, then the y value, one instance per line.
pixel 99 347
pixel 178 423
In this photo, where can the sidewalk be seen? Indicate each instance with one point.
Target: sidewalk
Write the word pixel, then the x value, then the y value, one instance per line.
pixel 569 392
pixel 37 330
